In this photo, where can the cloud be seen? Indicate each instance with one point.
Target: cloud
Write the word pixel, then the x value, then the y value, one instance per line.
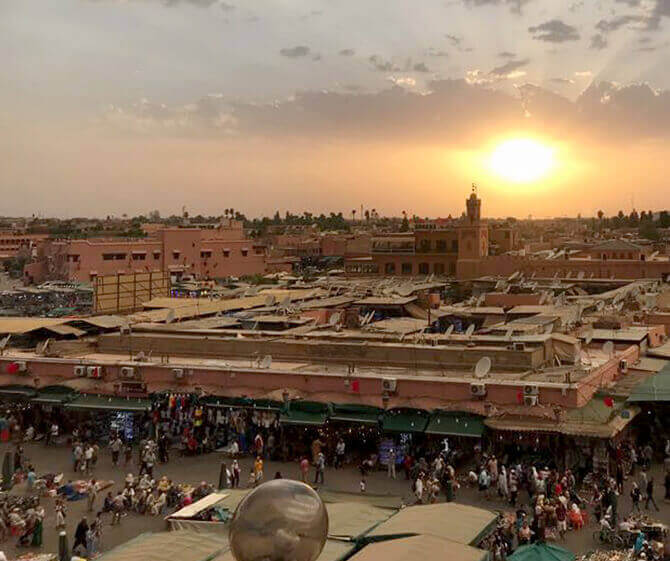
pixel 227 7
pixel 295 52
pixel 563 81
pixel 598 42
pixel 404 81
pixel 378 63
pixel 507 69
pixel 605 26
pixel 554 31
pixel 420 67
pixel 455 40
pixel 347 52
pixel 515 6
pixel 316 56
pixel 583 74
pixel 631 3
pixel 436 52
pixel 506 54
pixel 659 10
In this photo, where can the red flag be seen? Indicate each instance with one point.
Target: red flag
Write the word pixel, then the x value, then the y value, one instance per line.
pixel 519 397
pixel 608 401
pixel 12 368
pixel 356 386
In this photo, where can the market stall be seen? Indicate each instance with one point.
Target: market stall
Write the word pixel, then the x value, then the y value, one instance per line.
pixel 208 514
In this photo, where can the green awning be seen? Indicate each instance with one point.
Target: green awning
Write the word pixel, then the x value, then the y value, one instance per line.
pixel 455 424
pixel 362 414
pixel 241 403
pixel 305 413
pixel 108 403
pixel 405 420
pixel 17 392
pixel 655 388
pixel 54 395
pixel 541 552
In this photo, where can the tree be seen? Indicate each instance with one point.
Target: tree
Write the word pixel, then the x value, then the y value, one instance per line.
pixel 649 231
pixel 367 216
pixel 353 215
pixel 600 215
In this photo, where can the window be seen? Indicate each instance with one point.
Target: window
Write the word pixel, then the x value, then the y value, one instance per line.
pixel 139 256
pixel 389 269
pixel 441 246
pixel 226 253
pixel 245 252
pixel 425 245
pixel 73 258
pixel 157 255
pixel 176 254
pixel 113 256
pixel 454 246
pixel 205 254
pixel 406 268
pixel 438 268
pixel 424 268
pixel 258 251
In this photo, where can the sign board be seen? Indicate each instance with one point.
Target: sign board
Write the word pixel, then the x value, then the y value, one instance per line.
pixel 125 293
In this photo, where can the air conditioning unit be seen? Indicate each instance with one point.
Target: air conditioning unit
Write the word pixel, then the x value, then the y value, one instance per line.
pixel 178 373
pixel 518 346
pixel 530 400
pixel 21 366
pixel 94 372
pixel 80 371
pixel 623 366
pixel 389 385
pixel 478 389
pixel 530 389
pixel 128 372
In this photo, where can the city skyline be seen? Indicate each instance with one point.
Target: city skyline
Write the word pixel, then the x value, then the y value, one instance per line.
pixel 116 107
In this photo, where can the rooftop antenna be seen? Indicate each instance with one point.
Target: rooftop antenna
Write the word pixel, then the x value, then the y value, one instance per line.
pixel 608 348
pixel 483 367
pixel 3 344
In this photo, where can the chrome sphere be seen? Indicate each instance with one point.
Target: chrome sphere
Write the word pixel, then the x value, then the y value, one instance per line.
pixel 281 520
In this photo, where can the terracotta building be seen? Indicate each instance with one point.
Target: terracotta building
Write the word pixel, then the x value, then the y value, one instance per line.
pixel 11 243
pixel 203 253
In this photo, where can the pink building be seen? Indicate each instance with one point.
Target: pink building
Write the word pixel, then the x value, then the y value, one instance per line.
pixel 215 253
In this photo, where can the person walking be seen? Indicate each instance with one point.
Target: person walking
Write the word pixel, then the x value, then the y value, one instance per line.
pixel 650 494
pixel 92 495
pixel 391 463
pixel 304 469
pixel 80 534
pixel 340 448
pixel 635 496
pixel 320 468
pixel 116 445
pixel 235 473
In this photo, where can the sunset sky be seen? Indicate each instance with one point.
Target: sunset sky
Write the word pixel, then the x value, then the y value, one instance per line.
pixel 110 106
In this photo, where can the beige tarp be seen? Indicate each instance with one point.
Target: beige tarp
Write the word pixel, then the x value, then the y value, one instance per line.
pixel 419 548
pixel 333 551
pixel 450 521
pixel 350 520
pixel 167 546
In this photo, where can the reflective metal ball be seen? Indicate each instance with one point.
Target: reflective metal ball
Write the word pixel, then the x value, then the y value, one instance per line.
pixel 281 520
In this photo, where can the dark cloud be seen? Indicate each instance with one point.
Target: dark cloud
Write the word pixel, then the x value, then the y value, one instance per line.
pixel 598 42
pixel 506 54
pixel 554 31
pixel 295 52
pixel 420 67
pixel 378 63
pixel 347 52
pixel 605 26
pixel 515 6
pixel 508 67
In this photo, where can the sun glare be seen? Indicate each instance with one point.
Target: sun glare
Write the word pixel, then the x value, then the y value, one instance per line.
pixel 522 160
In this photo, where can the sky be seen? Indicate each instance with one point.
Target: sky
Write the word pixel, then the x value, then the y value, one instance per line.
pixel 126 106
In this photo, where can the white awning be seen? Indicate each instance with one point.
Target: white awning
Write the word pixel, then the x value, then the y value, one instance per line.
pixel 198 506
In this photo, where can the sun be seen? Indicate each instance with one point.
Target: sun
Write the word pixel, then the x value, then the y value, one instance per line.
pixel 522 160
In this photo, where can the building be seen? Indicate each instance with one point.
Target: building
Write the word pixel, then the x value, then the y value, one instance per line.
pixel 202 253
pixel 11 243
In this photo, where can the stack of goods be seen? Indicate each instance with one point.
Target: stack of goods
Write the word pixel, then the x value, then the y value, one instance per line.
pixel 37 557
pixel 606 555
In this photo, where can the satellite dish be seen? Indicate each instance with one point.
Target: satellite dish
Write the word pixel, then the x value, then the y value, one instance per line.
pixel 335 319
pixel 169 318
pixel 405 290
pixel 600 306
pixel 139 357
pixel 240 336
pixel 449 330
pixel 41 348
pixel 265 362
pixel 285 301
pixel 608 348
pixel 588 338
pixel 269 300
pixel 4 342
pixel 483 367
pixel 470 330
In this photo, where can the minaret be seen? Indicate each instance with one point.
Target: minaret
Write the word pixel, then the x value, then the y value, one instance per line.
pixel 473 238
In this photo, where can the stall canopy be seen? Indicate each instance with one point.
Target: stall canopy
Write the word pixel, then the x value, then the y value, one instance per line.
pixel 455 424
pixel 305 413
pixel 166 546
pixel 419 547
pixel 108 403
pixel 656 388
pixel 189 517
pixel 334 550
pixel 541 552
pixel 405 420
pixel 351 520
pixel 17 392
pixel 242 403
pixel 455 522
pixel 353 413
pixel 53 395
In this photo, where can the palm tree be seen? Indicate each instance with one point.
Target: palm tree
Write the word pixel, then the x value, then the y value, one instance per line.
pixel 353 215
pixel 367 216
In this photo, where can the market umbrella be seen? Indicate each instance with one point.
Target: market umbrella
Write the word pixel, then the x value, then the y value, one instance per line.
pixel 8 471
pixel 63 550
pixel 541 552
